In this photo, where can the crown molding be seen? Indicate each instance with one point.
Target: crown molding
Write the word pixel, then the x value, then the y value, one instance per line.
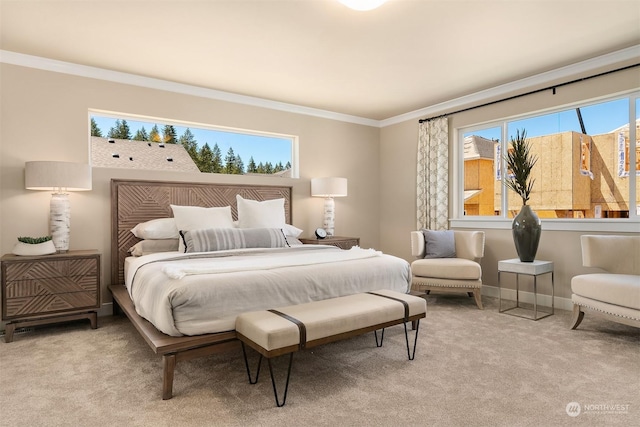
pixel 569 71
pixel 24 60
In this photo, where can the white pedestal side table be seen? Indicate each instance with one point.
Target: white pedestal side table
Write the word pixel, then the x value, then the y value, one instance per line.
pixel 535 269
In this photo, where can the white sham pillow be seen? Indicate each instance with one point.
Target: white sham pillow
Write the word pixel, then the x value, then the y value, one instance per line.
pixel 152 246
pixel 293 241
pixel 292 231
pixel 288 229
pixel 265 214
pixel 161 228
pixel 196 218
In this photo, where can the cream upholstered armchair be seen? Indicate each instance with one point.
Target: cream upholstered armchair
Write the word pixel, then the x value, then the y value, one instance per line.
pixel 457 270
pixel 614 291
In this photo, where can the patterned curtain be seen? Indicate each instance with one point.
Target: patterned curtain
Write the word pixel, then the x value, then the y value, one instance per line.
pixel 433 175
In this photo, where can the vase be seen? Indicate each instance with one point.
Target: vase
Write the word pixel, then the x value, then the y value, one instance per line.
pixel 34 249
pixel 526 229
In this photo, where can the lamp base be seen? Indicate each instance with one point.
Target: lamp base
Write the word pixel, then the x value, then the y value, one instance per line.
pixel 60 221
pixel 329 215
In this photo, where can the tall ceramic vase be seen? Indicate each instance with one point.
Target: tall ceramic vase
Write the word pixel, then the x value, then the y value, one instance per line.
pixel 526 229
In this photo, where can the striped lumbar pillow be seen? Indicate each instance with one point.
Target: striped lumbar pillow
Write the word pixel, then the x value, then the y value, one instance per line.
pixel 220 239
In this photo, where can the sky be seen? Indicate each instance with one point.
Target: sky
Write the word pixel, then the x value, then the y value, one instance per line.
pixel 598 119
pixel 263 149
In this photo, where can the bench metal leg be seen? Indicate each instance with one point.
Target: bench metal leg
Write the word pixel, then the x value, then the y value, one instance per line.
pixel 273 380
pixel 375 334
pixel 411 354
pixel 286 387
pixel 246 364
pixel 415 325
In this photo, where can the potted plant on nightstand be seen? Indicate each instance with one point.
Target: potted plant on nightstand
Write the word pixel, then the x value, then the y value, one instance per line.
pixel 526 227
pixel 34 246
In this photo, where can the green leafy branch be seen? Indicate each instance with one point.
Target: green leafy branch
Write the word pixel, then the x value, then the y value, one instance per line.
pixel 520 162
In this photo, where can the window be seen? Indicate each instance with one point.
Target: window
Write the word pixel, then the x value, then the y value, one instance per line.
pixel 586 158
pixel 122 141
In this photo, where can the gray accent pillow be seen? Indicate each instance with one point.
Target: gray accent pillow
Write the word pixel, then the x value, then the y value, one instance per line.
pixel 439 244
pixel 220 239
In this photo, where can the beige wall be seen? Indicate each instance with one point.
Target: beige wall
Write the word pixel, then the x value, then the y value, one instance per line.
pixel 44 116
pixel 398 144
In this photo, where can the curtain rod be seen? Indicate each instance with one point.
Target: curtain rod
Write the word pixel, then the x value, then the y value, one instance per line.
pixel 531 92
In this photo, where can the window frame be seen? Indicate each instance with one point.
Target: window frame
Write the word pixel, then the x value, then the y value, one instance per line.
pixel 295 140
pixel 459 220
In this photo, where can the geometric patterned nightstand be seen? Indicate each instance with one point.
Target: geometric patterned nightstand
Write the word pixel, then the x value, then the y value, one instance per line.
pixel 38 290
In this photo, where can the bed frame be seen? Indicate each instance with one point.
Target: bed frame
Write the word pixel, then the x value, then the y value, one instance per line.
pixel 136 201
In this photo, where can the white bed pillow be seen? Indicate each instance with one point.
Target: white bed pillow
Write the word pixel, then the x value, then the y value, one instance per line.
pixel 289 230
pixel 161 228
pixel 265 214
pixel 220 239
pixel 152 246
pixel 292 241
pixel 198 218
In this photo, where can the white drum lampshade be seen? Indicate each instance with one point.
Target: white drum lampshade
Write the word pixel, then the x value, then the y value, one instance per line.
pixel 329 187
pixel 58 177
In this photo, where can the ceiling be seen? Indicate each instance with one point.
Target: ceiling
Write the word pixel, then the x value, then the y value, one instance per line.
pixel 402 57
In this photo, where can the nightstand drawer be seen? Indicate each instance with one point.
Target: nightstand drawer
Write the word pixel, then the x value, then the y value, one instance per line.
pixel 49 304
pixel 23 270
pixel 58 285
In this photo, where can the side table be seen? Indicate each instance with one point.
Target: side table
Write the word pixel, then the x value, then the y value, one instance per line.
pixel 39 290
pixel 535 269
pixel 341 242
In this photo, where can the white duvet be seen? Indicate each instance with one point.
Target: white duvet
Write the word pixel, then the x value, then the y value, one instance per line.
pixel 192 294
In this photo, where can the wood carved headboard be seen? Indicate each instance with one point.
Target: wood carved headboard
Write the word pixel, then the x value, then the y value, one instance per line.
pixel 135 201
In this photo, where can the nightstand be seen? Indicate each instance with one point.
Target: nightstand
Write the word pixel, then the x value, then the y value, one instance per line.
pixel 341 242
pixel 39 290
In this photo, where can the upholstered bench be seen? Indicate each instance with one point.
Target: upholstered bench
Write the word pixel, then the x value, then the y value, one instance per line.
pixel 289 329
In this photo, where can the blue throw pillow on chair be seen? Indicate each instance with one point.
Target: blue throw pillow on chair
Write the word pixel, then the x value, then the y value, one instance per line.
pixel 439 244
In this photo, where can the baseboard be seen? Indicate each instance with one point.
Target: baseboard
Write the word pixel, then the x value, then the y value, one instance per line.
pixel 527 297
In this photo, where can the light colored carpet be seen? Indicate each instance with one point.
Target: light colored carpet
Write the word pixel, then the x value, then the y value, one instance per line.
pixel 472 368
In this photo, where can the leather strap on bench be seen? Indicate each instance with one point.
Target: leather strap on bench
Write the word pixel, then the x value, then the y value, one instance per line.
pixel 299 324
pixel 404 303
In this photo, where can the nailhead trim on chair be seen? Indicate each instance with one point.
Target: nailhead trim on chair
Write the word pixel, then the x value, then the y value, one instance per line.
pixel 419 282
pixel 608 312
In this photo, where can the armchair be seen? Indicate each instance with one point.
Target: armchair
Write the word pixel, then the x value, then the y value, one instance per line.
pixel 460 273
pixel 614 293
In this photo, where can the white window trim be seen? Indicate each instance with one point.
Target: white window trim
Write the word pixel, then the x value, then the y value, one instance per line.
pixel 458 220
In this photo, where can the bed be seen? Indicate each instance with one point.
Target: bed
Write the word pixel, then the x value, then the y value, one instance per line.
pixel 175 293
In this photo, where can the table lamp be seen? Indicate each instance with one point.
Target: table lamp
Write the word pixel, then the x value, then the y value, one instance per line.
pixel 58 177
pixel 329 187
